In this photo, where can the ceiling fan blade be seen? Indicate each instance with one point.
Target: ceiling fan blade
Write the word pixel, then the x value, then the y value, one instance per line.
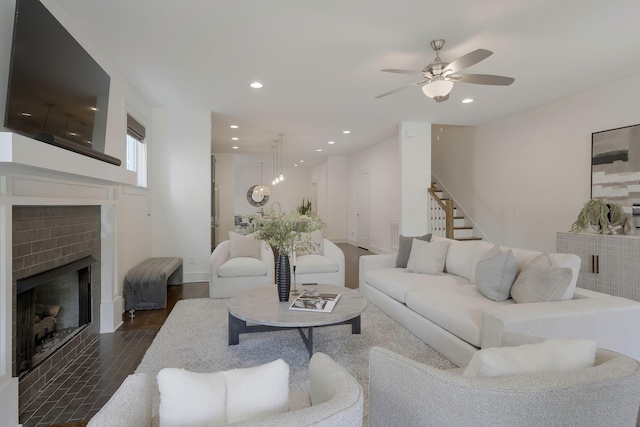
pixel 420 83
pixel 395 70
pixel 466 61
pixel 482 79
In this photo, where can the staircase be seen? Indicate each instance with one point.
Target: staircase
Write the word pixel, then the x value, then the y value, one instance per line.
pixel 445 218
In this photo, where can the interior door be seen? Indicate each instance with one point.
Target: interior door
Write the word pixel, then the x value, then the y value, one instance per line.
pixel 363 211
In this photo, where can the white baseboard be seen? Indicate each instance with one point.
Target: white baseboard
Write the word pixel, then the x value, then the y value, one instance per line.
pixel 111 315
pixel 380 251
pixel 198 276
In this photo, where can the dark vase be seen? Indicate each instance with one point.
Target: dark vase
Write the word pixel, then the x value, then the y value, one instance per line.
pixel 284 277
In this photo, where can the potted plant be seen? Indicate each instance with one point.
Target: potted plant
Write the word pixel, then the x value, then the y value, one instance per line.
pixel 600 216
pixel 305 207
pixel 286 233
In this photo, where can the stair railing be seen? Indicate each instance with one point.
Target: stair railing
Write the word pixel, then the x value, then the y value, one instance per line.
pixel 440 215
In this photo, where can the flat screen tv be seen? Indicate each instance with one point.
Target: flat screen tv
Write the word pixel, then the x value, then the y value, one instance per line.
pixel 57 92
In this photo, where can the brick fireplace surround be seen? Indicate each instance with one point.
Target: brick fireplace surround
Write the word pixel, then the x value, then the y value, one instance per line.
pixel 46 237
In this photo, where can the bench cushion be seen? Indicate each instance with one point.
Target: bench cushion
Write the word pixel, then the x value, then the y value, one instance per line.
pixel 145 285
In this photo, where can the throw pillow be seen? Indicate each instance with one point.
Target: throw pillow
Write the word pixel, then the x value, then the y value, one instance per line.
pixel 219 398
pixel 404 249
pixel 541 282
pixel 257 392
pixel 190 398
pixel 495 274
pixel 317 242
pixel 243 246
pixel 547 356
pixel 427 257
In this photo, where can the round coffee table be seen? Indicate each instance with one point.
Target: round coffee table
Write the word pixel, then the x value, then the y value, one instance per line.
pixel 265 312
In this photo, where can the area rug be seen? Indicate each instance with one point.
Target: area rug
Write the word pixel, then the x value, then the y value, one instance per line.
pixel 194 337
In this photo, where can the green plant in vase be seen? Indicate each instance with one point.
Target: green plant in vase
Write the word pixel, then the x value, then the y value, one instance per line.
pixel 305 207
pixel 599 215
pixel 286 233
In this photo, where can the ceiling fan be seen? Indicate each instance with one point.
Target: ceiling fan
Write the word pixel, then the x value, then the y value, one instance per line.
pixel 439 76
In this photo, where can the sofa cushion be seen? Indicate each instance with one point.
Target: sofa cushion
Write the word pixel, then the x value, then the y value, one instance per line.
pixel 404 248
pixel 540 281
pixel 547 356
pixel 219 398
pixel 243 246
pixel 397 282
pixel 315 264
pixel 495 274
pixel 458 309
pixel 427 257
pixel 242 267
pixel 316 240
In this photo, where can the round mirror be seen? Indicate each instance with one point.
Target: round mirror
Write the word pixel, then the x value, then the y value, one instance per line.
pixel 258 195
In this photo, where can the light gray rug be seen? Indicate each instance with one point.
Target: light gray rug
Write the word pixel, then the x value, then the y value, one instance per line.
pixel 194 337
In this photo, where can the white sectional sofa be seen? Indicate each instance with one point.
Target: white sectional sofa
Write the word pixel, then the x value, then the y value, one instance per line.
pixel 449 313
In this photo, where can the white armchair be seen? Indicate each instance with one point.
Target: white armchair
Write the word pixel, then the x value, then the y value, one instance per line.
pixel 229 276
pixel 407 393
pixel 325 268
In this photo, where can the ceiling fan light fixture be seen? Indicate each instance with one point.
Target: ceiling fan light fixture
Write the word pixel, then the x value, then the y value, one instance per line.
pixel 437 88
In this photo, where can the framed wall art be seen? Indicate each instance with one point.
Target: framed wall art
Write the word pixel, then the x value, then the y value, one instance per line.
pixel 615 166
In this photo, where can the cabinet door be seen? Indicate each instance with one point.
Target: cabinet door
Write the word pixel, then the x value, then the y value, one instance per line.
pixel 586 247
pixel 619 267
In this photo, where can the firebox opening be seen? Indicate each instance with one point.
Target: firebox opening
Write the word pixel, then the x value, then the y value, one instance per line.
pixel 52 307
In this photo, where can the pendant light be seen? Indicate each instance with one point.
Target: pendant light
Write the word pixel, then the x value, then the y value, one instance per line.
pixel 281 175
pixel 261 190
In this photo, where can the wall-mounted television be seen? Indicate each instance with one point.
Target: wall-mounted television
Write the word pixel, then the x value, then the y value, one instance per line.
pixel 57 92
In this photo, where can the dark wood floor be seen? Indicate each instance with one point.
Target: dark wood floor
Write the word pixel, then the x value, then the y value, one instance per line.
pixel 86 384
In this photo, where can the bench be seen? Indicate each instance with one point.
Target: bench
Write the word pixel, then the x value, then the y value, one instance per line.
pixel 145 285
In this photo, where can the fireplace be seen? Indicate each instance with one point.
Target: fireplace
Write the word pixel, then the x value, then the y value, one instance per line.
pixel 56 250
pixel 52 307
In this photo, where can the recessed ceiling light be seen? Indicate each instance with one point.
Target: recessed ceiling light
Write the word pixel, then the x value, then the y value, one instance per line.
pixel 467 101
pixel 296 165
pixel 235 138
pixel 319 149
pixel 346 131
pixel 235 147
pixel 25 114
pixel 234 126
pixel 301 161
pixel 256 85
pixel 331 142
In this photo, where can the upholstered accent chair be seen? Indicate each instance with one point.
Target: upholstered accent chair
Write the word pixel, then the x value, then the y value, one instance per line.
pixel 325 265
pixel 231 274
pixel 404 392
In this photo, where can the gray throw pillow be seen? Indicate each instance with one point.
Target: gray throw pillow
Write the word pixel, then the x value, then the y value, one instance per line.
pixel 495 274
pixel 427 257
pixel 404 248
pixel 540 281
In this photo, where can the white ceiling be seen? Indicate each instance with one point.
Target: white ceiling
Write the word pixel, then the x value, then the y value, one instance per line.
pixel 319 61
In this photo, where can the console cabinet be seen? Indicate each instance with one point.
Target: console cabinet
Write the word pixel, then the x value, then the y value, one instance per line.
pixel 610 263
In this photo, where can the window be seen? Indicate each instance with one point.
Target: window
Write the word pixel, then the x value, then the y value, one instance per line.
pixel 136 150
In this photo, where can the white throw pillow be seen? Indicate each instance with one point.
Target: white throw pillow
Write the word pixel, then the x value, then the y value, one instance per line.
pixel 243 246
pixel 190 399
pixel 427 257
pixel 257 392
pixel 547 356
pixel 540 281
pixel 495 274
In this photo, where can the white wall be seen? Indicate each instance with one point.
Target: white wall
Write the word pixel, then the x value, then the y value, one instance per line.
pixel 382 162
pixel 524 177
pixel 415 167
pixel 288 193
pixel 226 183
pixel 337 199
pixel 320 178
pixel 181 188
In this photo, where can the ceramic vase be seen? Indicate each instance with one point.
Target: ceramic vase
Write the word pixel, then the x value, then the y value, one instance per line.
pixel 284 277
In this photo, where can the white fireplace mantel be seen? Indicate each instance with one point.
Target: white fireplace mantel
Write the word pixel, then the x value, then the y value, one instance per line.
pixel 35 173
